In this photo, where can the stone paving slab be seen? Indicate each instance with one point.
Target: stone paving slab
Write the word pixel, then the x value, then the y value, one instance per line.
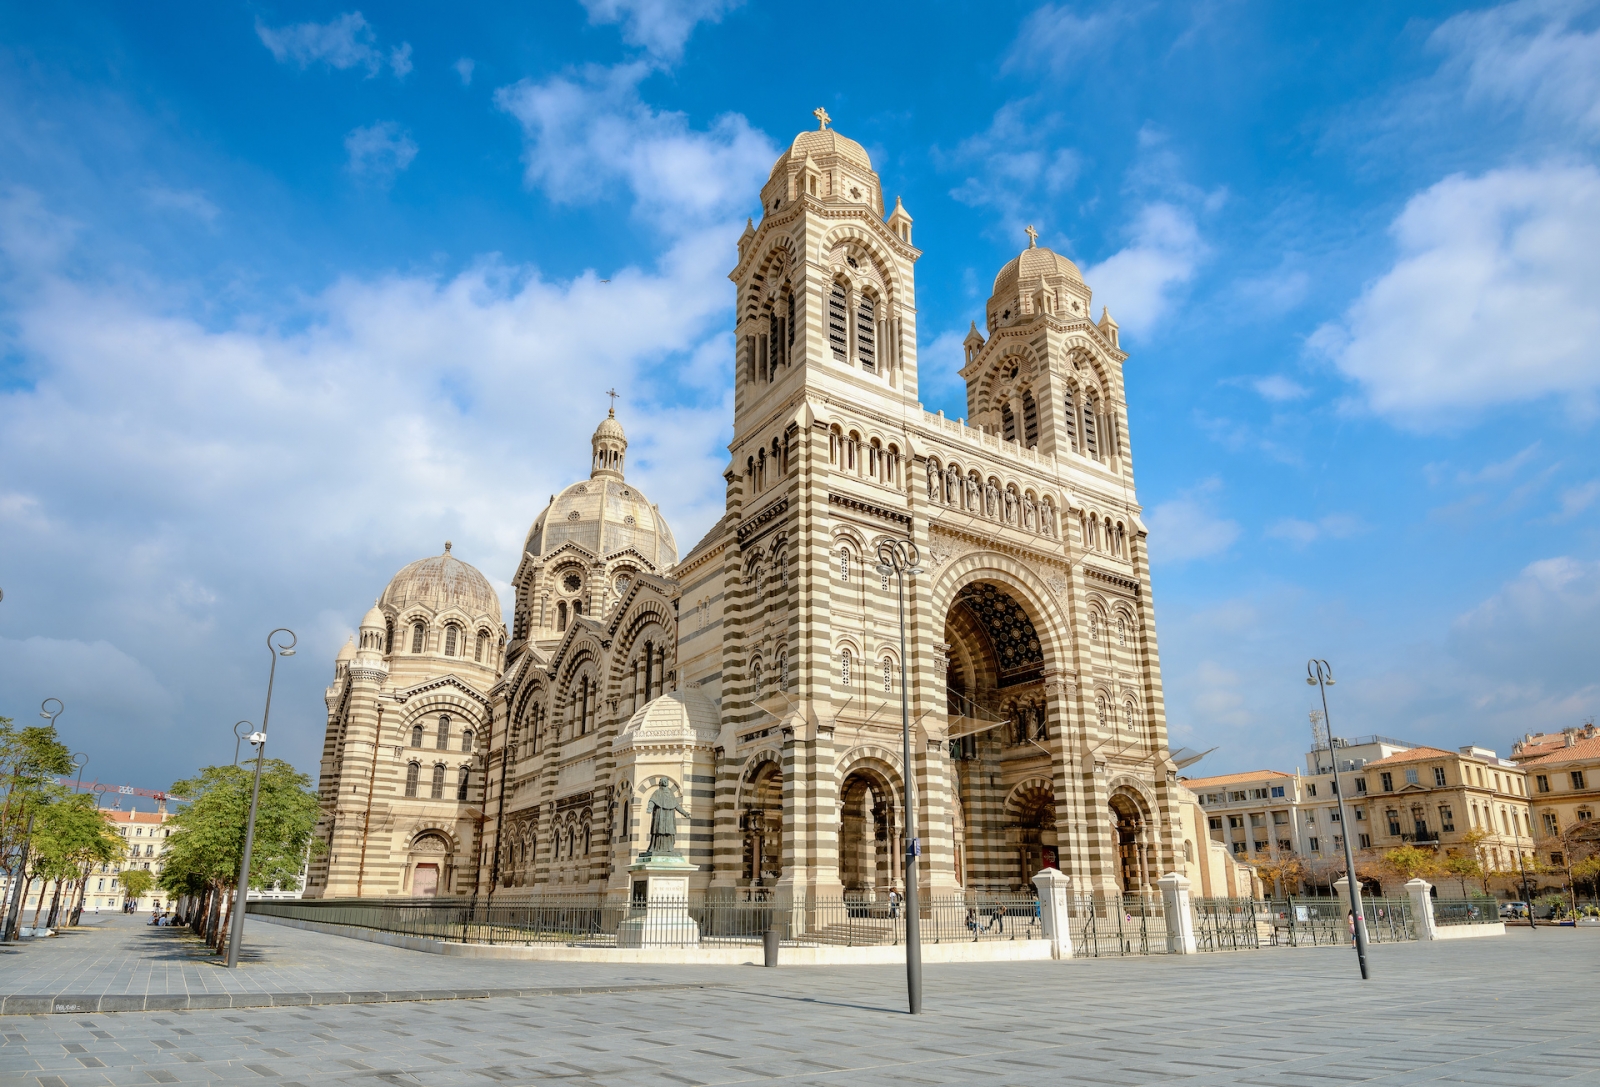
pixel 1517 1010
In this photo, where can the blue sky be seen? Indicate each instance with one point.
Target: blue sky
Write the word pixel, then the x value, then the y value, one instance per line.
pixel 292 293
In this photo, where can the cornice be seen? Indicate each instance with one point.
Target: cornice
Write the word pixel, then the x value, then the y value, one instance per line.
pixel 771 513
pixel 869 509
pixel 988 542
pixel 451 680
pixel 1119 580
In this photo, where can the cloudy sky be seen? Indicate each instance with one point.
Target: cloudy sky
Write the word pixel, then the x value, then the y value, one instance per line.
pixel 292 293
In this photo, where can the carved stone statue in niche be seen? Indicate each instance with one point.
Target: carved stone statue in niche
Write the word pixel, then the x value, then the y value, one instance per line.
pixel 1030 513
pixel 952 479
pixel 933 481
pixel 991 498
pixel 1047 519
pixel 1011 507
pixel 972 493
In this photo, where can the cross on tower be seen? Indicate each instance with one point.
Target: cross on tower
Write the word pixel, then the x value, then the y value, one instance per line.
pixel 1033 236
pixel 613 394
pixel 822 116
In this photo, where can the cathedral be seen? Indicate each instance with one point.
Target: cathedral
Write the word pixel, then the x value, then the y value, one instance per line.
pixel 758 675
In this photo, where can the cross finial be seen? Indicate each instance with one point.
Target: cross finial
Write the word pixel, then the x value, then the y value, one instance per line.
pixel 613 394
pixel 822 117
pixel 1033 236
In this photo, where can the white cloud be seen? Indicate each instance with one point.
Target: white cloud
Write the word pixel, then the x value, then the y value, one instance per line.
pixel 1277 388
pixel 1574 500
pixel 346 42
pixel 1056 39
pixel 1529 54
pixel 191 202
pixel 463 68
pixel 379 150
pixel 1491 299
pixel 1139 283
pixel 1013 168
pixel 660 27
pixel 1187 527
pixel 584 134
pixel 1338 526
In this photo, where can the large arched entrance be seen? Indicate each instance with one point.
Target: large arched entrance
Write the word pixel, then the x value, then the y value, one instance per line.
pixel 1130 827
pixel 761 827
pixel 429 868
pixel 997 714
pixel 868 829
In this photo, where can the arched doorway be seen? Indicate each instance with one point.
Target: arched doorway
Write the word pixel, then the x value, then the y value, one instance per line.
pixel 1130 831
pixel 996 705
pixel 761 826
pixel 429 870
pixel 1031 822
pixel 868 829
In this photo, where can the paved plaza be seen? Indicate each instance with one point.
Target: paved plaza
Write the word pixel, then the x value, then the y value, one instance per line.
pixel 1516 1010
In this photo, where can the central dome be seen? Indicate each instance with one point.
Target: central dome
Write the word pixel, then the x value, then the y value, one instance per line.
pixel 823 143
pixel 1034 262
pixel 439 583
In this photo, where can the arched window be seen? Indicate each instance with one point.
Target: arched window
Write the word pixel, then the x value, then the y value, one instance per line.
pixel 450 633
pixel 835 445
pixel 783 670
pixel 1094 626
pixel 844 667
pixel 483 642
pixel 1122 631
pixel 442 740
pixel 783 568
pixel 1100 710
pixel 466 740
pixel 852 452
pixel 844 564
pixel 838 322
pixel 418 633
pixel 867 334
pixel 413 772
pixel 416 735
pixel 755 675
pixel 1030 421
pixel 438 782
pixel 1070 419
pixel 577 608
pixel 888 674
pixel 1091 442
pixel 1130 716
pixel 462 777
pixel 561 615
pixel 388 636
pixel 1008 423
pixel 588 833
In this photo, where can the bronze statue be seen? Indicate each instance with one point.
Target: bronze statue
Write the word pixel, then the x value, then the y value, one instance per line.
pixel 664 807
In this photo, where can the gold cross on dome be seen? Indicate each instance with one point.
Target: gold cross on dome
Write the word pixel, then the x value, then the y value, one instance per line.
pixel 822 117
pixel 1033 236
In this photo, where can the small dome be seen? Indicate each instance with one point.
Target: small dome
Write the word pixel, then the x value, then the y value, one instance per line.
pixel 441 582
pixel 604 516
pixel 1034 262
pixel 348 653
pixel 374 619
pixel 677 717
pixel 823 142
pixel 610 428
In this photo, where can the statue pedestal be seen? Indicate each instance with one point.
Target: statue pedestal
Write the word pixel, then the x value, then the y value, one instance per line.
pixel 658 905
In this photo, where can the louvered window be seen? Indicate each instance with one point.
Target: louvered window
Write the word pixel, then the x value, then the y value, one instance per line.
pixel 1071 418
pixel 1008 423
pixel 838 330
pixel 790 327
pixel 1030 421
pixel 1091 444
pixel 867 335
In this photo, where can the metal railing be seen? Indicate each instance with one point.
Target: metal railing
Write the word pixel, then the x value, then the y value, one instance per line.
pixel 1112 925
pixel 1465 911
pixel 611 919
pixel 1314 922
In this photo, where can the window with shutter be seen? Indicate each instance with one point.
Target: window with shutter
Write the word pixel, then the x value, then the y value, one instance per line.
pixel 1008 423
pixel 838 323
pixel 1070 419
pixel 1030 421
pixel 867 335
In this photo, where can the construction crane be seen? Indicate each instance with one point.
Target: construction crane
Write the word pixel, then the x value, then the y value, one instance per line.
pixel 158 796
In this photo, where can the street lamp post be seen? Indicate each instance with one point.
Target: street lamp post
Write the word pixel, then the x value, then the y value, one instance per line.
pixel 900 557
pixel 259 742
pixel 1522 866
pixel 237 735
pixel 1320 676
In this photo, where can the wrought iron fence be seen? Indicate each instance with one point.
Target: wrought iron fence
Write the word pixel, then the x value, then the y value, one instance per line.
pixel 1465 911
pixel 1112 925
pixel 610 919
pixel 1230 924
pixel 1313 922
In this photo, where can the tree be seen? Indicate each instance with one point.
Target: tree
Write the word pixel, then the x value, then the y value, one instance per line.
pixel 1474 845
pixel 1408 862
pixel 1282 872
pixel 136 883
pixel 207 840
pixel 1462 867
pixel 70 835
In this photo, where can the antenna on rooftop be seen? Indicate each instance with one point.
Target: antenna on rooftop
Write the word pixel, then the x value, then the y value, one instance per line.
pixel 1319 733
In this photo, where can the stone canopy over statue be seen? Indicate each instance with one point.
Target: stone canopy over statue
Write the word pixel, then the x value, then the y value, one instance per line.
pixel 664 808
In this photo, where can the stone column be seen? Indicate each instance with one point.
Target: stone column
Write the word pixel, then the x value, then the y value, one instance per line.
pixel 1421 892
pixel 1180 918
pixel 1055 913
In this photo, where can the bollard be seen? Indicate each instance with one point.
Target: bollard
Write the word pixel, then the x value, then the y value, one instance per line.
pixel 769 942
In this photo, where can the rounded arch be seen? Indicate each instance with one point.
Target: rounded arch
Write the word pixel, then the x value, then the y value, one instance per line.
pixel 872 247
pixel 1031 803
pixel 1018 581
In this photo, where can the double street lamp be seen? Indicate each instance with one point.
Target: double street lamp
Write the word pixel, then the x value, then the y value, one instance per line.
pixel 258 740
pixel 1320 675
pixel 899 558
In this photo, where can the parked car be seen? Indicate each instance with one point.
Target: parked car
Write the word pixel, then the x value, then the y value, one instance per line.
pixel 1513 909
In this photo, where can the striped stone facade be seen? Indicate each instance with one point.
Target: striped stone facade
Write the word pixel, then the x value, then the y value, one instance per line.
pixel 759 676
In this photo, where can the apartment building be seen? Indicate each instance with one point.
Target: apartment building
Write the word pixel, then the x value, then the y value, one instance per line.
pixel 1431 797
pixel 1563 779
pixel 145 833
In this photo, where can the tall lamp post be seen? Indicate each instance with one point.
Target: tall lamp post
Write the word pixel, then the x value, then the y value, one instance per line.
pixel 237 735
pixel 900 557
pixel 1320 675
pixel 259 742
